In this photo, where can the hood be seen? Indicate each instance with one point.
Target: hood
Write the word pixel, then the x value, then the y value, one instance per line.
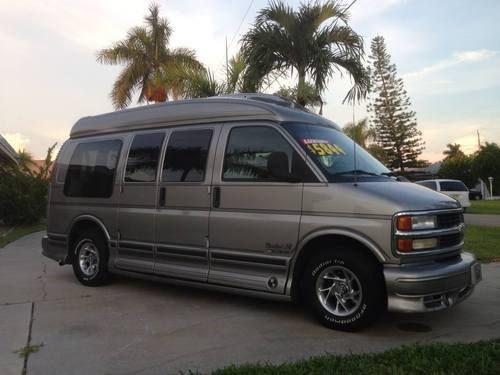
pixel 388 197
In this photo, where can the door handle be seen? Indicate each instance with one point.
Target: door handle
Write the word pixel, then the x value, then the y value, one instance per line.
pixel 216 197
pixel 162 196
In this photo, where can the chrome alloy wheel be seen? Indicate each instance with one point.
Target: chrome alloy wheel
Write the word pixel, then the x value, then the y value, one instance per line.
pixel 339 290
pixel 88 258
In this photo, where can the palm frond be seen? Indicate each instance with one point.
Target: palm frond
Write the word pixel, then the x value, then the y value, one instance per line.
pixel 279 13
pixel 128 80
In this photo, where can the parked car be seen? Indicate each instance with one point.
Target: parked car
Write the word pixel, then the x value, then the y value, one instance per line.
pixel 475 195
pixel 453 188
pixel 252 194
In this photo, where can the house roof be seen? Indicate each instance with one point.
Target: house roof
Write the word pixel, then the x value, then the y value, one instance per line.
pixel 197 111
pixel 6 151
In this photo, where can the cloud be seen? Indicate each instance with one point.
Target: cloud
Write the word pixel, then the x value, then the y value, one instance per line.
pixel 17 140
pixel 456 59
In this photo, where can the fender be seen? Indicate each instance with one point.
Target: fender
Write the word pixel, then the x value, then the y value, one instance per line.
pixel 92 218
pixel 374 249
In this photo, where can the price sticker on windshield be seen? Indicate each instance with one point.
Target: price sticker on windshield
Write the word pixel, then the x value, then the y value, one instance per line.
pixel 322 147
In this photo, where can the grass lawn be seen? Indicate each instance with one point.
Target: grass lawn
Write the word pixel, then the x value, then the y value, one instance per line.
pixel 484 207
pixel 477 358
pixel 8 235
pixel 484 242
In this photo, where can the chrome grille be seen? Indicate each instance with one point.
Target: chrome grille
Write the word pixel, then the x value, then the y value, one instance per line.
pixel 449 220
pixel 450 240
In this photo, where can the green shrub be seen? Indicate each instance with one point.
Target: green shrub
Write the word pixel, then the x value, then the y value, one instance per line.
pixel 23 191
pixel 23 198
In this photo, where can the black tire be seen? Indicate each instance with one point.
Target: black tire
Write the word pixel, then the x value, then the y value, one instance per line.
pixel 91 242
pixel 372 300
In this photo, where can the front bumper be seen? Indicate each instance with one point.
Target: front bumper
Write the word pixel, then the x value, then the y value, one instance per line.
pixel 431 287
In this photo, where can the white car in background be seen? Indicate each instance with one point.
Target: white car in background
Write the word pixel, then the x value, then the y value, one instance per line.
pixel 453 188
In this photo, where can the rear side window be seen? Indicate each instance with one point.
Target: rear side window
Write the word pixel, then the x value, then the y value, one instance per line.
pixel 186 156
pixel 452 186
pixel 250 150
pixel 428 184
pixel 142 161
pixel 92 168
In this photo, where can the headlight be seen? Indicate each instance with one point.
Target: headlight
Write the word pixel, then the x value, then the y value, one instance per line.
pixel 417 222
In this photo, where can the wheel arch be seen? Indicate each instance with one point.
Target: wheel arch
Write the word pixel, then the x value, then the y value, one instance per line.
pixel 306 248
pixel 81 223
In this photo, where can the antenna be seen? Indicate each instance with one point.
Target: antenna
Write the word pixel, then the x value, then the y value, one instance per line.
pixel 227 66
pixel 354 142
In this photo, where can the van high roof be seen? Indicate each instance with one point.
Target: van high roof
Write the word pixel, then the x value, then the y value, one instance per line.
pixel 249 107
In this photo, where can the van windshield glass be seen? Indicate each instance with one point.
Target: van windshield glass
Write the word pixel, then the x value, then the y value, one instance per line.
pixel 333 152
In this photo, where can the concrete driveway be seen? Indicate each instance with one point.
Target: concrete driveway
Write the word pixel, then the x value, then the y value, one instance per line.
pixel 137 327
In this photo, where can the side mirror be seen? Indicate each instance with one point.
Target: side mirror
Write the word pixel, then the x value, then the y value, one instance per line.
pixel 277 165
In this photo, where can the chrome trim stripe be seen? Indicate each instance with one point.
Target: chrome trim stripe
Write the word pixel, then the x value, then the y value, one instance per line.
pixel 165 250
pixel 251 258
pixel 135 246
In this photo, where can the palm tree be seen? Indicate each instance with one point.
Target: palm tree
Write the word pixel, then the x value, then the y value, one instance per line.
pixel 453 151
pixel 151 67
pixel 26 162
pixel 200 83
pixel 360 132
pixel 309 94
pixel 315 41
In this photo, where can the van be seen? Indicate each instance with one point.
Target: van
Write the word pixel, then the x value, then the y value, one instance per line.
pixel 453 188
pixel 255 195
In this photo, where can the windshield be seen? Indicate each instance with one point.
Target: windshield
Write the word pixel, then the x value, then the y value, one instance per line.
pixel 333 152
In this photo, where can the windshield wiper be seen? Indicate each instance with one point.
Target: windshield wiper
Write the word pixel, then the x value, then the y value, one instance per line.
pixel 355 171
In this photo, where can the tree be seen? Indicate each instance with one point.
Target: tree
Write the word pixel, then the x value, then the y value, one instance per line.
pixel 391 116
pixel 487 164
pixel 458 168
pixel 200 83
pixel 151 67
pixel 453 151
pixel 309 94
pixel 313 42
pixel 24 191
pixel 360 132
pixel 25 161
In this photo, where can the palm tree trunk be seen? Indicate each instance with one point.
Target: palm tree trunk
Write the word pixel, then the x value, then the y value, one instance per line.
pixel 300 88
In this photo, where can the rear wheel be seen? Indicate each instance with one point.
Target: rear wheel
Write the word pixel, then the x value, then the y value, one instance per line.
pixel 90 259
pixel 344 288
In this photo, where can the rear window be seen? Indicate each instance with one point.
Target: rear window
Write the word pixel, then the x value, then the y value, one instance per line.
pixel 453 186
pixel 92 168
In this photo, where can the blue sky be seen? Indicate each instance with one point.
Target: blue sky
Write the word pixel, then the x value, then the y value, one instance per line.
pixel 448 53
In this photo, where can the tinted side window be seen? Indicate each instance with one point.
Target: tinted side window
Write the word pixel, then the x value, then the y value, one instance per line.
pixel 452 186
pixel 428 184
pixel 249 150
pixel 186 156
pixel 143 156
pixel 92 169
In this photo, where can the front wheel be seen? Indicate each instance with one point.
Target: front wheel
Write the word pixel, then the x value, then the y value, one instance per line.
pixel 90 259
pixel 344 288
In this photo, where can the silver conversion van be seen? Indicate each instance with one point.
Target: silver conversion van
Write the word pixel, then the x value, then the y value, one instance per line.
pixel 253 194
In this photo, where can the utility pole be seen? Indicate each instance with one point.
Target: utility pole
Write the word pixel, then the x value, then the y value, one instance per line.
pixel 478 141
